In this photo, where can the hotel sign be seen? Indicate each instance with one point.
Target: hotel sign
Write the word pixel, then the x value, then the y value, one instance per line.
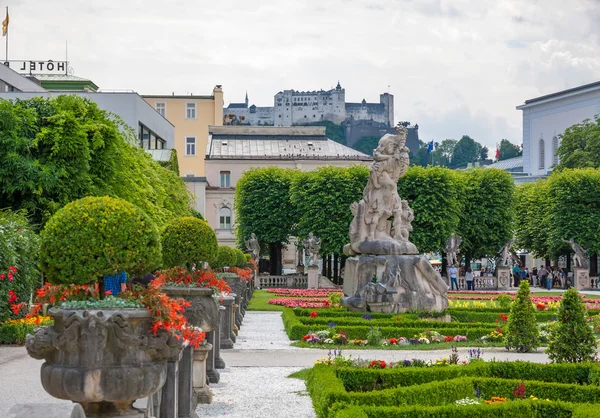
pixel 38 67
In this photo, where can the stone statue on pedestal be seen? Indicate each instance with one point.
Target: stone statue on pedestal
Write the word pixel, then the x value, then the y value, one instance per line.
pixel 452 249
pixel 312 246
pixel 579 254
pixel 253 247
pixel 385 272
pixel 506 256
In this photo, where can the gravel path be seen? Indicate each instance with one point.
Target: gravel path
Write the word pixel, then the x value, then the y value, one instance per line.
pixel 251 389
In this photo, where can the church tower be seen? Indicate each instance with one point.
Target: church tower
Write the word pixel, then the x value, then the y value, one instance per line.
pixel 246 98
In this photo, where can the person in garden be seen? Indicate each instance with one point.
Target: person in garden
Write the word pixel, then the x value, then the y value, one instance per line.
pixel 453 272
pixel 516 276
pixel 115 284
pixel 470 279
pixel 562 278
pixel 534 275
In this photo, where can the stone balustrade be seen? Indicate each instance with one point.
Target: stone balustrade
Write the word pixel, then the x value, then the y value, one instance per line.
pixel 289 282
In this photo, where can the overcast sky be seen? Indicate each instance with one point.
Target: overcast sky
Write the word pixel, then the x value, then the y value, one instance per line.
pixel 455 67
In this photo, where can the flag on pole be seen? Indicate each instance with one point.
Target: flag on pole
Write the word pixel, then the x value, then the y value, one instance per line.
pixel 5 24
pixel 430 147
pixel 497 153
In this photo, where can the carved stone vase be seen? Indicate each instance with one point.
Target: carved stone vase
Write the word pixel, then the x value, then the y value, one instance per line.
pixel 203 312
pixel 103 359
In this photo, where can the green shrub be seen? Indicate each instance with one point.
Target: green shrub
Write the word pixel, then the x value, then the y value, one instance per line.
pixel 19 248
pixel 572 339
pixel 226 257
pixel 97 236
pixel 522 333
pixel 504 301
pixel 240 260
pixel 247 257
pixel 348 411
pixel 15 331
pixel 187 241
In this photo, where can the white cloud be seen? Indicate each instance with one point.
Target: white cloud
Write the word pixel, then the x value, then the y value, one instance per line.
pixel 455 67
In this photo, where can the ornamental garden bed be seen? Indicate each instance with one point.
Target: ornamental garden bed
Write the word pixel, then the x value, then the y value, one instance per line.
pixel 341 388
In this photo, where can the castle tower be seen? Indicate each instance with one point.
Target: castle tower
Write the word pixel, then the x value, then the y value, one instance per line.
pixel 246 98
pixel 388 103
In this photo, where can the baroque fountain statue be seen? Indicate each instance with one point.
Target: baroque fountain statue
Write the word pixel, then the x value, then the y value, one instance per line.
pixel 385 272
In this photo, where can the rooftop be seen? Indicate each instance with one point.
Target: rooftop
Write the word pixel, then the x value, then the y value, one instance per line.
pixel 509 164
pixel 562 93
pixel 280 143
pixel 177 96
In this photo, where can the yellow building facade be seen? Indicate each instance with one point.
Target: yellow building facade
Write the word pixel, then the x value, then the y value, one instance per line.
pixel 191 115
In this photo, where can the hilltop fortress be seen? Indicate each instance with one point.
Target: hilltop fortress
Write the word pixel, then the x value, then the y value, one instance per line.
pixel 291 107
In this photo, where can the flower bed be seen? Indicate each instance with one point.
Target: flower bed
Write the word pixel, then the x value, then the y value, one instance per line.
pixel 14 331
pixel 341 387
pixel 300 302
pixel 304 293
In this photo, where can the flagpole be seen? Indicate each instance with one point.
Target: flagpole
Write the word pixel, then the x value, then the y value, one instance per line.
pixel 6 53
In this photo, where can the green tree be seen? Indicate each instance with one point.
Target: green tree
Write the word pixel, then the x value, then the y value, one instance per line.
pixel 572 339
pixel 172 164
pixel 483 153
pixel 532 217
pixel 97 236
pixel 322 198
pixel 467 150
pixel 509 150
pixel 442 153
pixel 422 157
pixel 333 131
pixel 574 210
pixel 226 257
pixel 187 241
pixel 56 150
pixel 522 333
pixel 434 194
pixel 580 146
pixel 367 144
pixel 19 248
pixel 487 212
pixel 263 207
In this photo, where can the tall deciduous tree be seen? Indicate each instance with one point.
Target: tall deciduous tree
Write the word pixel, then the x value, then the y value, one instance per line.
pixel 509 150
pixel 322 199
pixel 433 193
pixel 580 146
pixel 54 151
pixel 487 215
pixel 532 223
pixel 443 151
pixel 263 207
pixel 467 150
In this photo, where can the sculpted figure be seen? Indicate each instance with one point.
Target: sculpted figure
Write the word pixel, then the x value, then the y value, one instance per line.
pixel 452 249
pixel 506 256
pixel 253 247
pixel 312 245
pixel 579 256
pixel 371 229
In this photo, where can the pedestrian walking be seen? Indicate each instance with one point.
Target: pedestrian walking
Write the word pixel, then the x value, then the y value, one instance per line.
pixel 516 276
pixel 534 276
pixel 470 279
pixel 453 272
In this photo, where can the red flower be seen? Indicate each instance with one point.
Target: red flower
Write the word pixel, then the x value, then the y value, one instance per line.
pixel 393 341
pixel 306 337
pixel 2 276
pixel 377 364
pixel 16 309
pixel 314 314
pixel 12 269
pixel 12 297
pixel 449 338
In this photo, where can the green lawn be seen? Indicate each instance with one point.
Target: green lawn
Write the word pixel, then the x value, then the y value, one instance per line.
pixel 260 302
pixel 423 347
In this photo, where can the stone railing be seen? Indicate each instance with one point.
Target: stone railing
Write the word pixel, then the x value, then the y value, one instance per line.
pixel 481 282
pixel 289 282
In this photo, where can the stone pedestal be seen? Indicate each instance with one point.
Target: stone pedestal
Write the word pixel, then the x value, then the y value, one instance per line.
pixel 219 362
pixel 393 284
pixel 313 277
pixel 227 322
pixel 581 277
pixel 234 318
pixel 503 274
pixel 211 371
pixel 169 405
pixel 186 399
pixel 199 378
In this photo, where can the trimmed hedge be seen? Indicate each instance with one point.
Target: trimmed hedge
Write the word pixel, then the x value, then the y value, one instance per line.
pixel 341 321
pixel 187 241
pixel 436 398
pixel 362 379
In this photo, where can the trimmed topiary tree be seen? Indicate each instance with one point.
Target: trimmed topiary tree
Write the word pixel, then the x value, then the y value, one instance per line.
pixel 226 257
pixel 522 333
pixel 187 241
pixel 572 339
pixel 97 236
pixel 240 260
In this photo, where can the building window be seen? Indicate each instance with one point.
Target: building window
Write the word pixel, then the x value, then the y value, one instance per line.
pixel 190 145
pixel 225 218
pixel 542 154
pixel 555 150
pixel 162 109
pixel 225 179
pixel 190 110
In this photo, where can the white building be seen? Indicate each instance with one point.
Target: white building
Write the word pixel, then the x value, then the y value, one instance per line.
pixel 545 118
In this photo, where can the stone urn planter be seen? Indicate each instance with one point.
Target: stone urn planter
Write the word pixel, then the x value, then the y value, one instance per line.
pixel 237 288
pixel 103 359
